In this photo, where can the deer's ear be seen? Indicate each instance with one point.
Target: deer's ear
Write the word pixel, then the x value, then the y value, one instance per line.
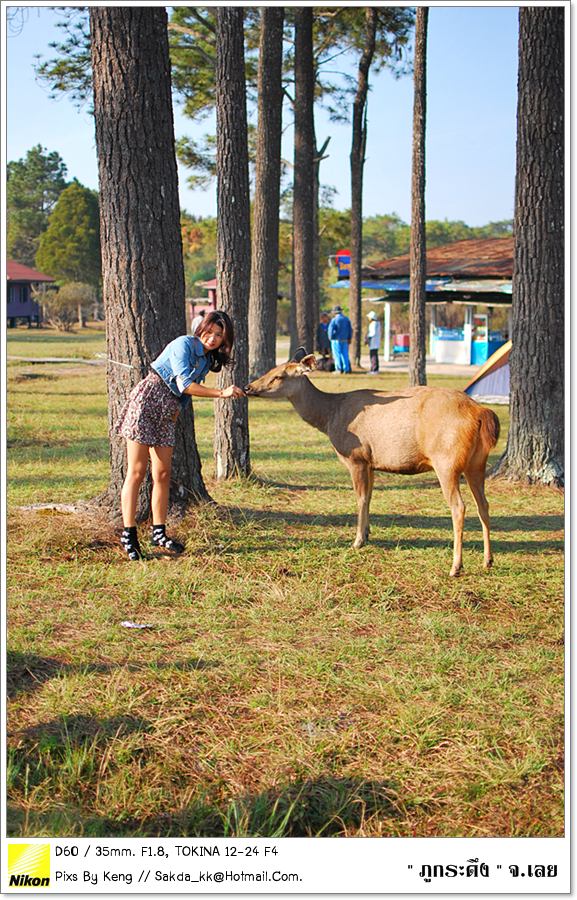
pixel 307 363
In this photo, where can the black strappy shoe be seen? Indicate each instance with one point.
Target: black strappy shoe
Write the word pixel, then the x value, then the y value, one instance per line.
pixel 129 541
pixel 160 539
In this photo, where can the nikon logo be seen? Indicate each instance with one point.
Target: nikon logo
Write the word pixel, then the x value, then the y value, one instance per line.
pixel 29 865
pixel 28 881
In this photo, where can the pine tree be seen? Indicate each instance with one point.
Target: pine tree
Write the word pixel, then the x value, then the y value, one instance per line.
pixel 33 185
pixel 143 278
pixel 231 444
pixel 536 443
pixel 70 247
pixel 418 253
pixel 264 275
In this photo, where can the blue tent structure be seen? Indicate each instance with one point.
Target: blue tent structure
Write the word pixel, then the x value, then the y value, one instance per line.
pixel 491 383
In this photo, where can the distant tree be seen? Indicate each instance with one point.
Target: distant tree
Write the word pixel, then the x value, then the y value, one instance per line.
pixel 418 259
pixel 535 443
pixel 65 308
pixel 70 247
pixel 143 283
pixel 303 192
pixel 199 248
pixel 232 451
pixel 33 185
pixel 265 241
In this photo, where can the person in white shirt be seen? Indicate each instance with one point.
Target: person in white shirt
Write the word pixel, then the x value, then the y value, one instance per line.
pixel 373 339
pixel 196 322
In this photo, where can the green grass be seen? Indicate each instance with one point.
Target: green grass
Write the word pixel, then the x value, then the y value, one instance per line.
pixel 33 343
pixel 291 685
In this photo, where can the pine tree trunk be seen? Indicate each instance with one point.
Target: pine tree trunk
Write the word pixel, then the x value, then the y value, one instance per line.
pixel 142 270
pixel 320 154
pixel 418 251
pixel 303 200
pixel 535 444
pixel 293 343
pixel 231 446
pixel 265 256
pixel 357 158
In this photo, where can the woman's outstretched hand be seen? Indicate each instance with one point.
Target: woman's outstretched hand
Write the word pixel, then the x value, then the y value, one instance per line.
pixel 232 391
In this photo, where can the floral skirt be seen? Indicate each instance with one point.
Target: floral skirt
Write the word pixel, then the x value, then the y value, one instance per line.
pixel 150 413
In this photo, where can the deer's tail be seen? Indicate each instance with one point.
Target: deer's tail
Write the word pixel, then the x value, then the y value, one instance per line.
pixel 489 430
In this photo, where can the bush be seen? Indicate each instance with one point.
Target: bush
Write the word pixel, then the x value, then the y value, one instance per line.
pixel 65 308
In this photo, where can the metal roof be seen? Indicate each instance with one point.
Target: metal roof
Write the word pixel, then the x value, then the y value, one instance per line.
pixel 471 259
pixel 15 271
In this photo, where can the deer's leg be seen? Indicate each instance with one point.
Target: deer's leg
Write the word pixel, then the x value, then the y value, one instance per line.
pixel 363 479
pixel 449 481
pixel 476 481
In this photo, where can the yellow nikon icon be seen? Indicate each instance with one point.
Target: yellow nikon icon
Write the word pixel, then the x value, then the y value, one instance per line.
pixel 29 865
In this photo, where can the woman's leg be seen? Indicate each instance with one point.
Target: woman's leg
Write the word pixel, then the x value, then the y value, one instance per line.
pixel 161 462
pixel 161 465
pixel 137 463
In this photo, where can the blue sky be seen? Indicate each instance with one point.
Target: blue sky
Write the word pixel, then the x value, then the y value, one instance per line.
pixel 471 109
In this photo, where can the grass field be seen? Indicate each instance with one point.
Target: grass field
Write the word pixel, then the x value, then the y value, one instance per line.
pixel 290 685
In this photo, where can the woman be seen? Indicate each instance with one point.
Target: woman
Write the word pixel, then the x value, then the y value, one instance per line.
pixel 148 420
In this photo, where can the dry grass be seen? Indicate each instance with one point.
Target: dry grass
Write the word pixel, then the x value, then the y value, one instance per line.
pixel 290 685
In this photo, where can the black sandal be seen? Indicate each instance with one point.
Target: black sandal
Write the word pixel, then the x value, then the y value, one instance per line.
pixel 129 541
pixel 160 539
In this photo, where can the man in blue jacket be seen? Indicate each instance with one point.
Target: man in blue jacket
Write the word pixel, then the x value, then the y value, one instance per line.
pixel 340 334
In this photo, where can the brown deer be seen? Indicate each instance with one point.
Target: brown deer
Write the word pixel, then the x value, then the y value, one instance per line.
pixel 407 431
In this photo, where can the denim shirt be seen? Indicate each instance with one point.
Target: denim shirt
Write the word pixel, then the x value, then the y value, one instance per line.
pixel 183 358
pixel 340 328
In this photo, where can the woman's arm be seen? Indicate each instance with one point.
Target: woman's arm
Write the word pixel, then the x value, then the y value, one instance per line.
pixel 199 390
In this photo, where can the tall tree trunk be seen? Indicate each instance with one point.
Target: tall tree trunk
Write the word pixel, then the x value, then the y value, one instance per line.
pixel 418 251
pixel 316 295
pixel 535 444
pixel 303 200
pixel 142 270
pixel 265 255
pixel 293 341
pixel 232 454
pixel 357 158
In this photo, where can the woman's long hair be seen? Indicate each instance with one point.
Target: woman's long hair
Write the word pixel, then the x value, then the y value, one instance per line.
pixel 222 356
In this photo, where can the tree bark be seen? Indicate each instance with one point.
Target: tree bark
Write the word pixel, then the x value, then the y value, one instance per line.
pixel 142 270
pixel 320 154
pixel 265 256
pixel 357 159
pixel 535 444
pixel 303 200
pixel 418 251
pixel 232 453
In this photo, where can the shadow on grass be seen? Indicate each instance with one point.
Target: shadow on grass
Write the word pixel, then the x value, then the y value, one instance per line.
pixel 27 672
pixel 65 732
pixel 325 807
pixel 397 520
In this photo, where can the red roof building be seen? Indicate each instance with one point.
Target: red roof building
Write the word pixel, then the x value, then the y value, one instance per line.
pixel 20 304
pixel 15 271
pixel 471 259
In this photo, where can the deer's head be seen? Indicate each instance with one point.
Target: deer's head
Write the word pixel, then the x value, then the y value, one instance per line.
pixel 283 379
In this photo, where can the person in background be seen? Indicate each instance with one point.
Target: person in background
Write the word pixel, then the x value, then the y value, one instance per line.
pixel 323 343
pixel 340 334
pixel 196 321
pixel 147 420
pixel 373 340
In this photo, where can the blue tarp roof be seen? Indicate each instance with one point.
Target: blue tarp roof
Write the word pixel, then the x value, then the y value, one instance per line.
pixel 435 285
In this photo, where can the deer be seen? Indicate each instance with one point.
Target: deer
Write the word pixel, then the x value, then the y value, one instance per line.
pixel 405 432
